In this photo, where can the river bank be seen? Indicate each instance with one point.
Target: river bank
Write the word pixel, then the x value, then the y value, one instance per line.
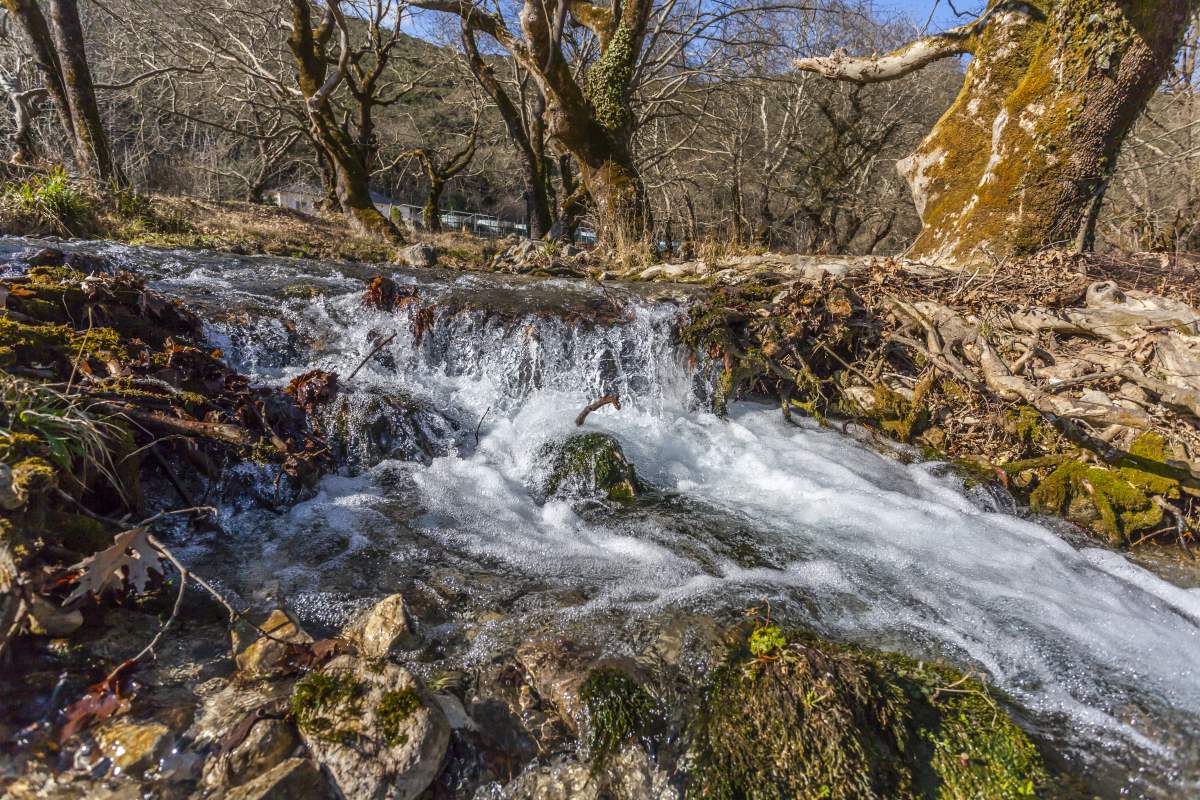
pixel 518 589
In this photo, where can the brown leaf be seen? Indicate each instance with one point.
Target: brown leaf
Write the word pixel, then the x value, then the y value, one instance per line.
pixel 128 560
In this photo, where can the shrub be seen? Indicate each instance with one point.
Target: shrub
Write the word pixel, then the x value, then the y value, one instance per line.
pixel 51 200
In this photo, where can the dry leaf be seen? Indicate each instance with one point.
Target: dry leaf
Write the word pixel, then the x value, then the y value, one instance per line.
pixel 132 552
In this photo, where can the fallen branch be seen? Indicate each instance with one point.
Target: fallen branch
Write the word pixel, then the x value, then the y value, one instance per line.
pixel 608 399
pixel 382 343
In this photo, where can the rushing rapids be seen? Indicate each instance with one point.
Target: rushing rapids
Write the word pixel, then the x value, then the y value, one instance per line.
pixel 442 433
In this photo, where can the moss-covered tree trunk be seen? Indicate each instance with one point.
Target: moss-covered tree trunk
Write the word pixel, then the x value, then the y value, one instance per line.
pixel 347 159
pixel 58 46
pixel 1021 159
pixel 431 217
pixel 591 119
pixel 92 153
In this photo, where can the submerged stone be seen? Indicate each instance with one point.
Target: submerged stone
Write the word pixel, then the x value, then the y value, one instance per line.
pixel 806 719
pixel 589 463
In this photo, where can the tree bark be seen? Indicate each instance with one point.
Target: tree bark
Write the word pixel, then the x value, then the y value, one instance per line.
pixel 92 153
pixel 529 139
pixel 1020 159
pixel 431 216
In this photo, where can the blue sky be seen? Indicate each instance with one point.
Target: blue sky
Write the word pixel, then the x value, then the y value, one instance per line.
pixel 918 11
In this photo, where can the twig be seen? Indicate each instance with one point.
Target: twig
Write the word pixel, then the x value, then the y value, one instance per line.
pixel 479 424
pixel 171 479
pixel 79 356
pixel 374 350
pixel 608 399
pixel 129 662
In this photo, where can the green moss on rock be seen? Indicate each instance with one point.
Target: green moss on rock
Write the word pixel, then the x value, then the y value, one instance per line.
pixel 393 709
pixel 322 704
pixel 1096 497
pixel 826 721
pixel 617 710
pixel 590 463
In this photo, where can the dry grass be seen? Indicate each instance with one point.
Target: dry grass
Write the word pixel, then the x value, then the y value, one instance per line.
pixel 248 228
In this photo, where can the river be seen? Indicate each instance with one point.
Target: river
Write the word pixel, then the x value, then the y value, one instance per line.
pixel 444 432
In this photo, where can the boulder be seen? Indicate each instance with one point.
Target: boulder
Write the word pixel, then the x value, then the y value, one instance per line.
pixel 418 255
pixel 787 715
pixel 589 464
pixel 372 727
pixel 383 629
pixel 294 779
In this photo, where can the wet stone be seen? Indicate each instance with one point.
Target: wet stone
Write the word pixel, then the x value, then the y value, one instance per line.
pixel 262 658
pixel 133 746
pixel 383 629
pixel 294 779
pixel 372 727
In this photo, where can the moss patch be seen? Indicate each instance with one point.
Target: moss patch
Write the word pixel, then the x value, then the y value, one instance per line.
pixel 590 463
pixel 1096 497
pixel 393 709
pixel 324 705
pixel 824 721
pixel 617 710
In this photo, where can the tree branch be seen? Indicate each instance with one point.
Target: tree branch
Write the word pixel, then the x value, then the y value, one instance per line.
pixel 909 58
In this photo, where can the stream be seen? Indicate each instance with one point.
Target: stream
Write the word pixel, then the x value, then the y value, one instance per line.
pixel 442 436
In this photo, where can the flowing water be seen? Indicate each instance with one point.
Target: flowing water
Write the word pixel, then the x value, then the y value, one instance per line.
pixel 442 435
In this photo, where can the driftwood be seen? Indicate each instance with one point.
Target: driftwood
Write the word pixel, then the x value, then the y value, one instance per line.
pixel 607 400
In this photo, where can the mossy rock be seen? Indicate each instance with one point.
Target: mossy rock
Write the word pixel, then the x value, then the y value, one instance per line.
pixel 590 463
pixel 1099 498
pixel 808 719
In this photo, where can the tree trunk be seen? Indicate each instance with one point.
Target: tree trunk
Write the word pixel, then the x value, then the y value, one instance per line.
pixel 30 16
pixel 1020 159
pixel 568 213
pixel 537 203
pixel 431 217
pixel 92 153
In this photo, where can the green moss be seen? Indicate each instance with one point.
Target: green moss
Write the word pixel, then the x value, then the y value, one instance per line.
pixel 608 81
pixel 827 721
pixel 55 276
pixel 617 710
pixel 16 446
pixel 1097 497
pixel 1030 427
pixel 899 416
pixel 590 462
pixel 393 709
pixel 42 344
pixel 324 703
pixel 1146 466
pixel 77 532
pixel 33 477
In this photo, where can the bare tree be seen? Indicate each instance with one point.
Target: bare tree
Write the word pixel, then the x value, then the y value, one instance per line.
pixel 439 167
pixel 525 122
pixel 61 56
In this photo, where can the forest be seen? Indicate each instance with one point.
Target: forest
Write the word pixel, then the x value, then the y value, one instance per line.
pixel 606 399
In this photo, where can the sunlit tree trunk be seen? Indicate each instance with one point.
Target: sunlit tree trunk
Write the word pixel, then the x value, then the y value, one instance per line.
pixel 1021 159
